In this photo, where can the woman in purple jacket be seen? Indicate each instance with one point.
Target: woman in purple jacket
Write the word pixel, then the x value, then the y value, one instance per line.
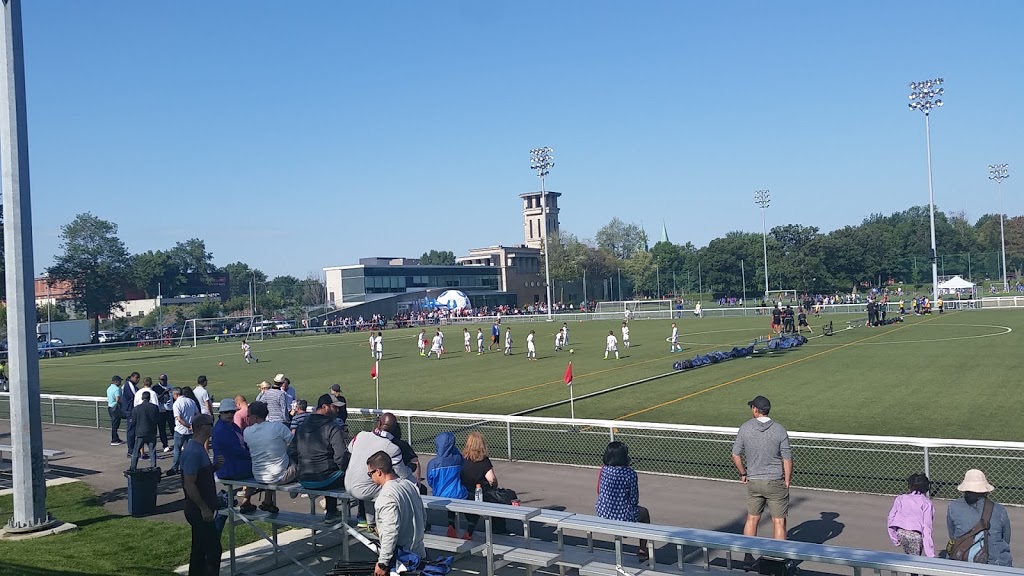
pixel 911 516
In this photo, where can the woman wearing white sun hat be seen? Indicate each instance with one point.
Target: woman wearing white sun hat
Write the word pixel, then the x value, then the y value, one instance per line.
pixel 964 513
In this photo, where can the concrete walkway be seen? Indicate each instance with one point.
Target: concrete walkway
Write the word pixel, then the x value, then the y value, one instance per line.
pixel 841 519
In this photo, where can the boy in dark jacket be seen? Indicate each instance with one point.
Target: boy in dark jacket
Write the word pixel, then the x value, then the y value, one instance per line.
pixel 444 474
pixel 147 418
pixel 318 448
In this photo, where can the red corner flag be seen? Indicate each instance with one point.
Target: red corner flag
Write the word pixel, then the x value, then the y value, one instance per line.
pixel 568 375
pixel 373 371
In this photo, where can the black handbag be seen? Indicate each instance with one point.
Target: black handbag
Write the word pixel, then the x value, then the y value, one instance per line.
pixel 500 495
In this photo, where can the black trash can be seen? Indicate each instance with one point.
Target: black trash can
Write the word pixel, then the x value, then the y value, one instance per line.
pixel 142 488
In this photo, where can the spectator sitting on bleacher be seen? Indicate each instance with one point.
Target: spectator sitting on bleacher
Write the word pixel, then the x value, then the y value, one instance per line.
pixel 618 491
pixel 477 470
pixel 401 512
pixel 444 475
pixel 364 445
pixel 268 445
pixel 319 450
pixel 230 454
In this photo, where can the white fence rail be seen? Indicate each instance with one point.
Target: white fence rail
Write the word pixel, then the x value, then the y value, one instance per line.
pixel 849 463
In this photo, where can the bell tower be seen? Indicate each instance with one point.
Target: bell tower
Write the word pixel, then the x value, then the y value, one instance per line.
pixel 533 217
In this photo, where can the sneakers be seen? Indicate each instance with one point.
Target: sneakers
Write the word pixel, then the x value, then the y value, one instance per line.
pixel 269 508
pixel 247 509
pixel 452 532
pixel 167 449
pixel 361 524
pixel 331 519
pixel 117 443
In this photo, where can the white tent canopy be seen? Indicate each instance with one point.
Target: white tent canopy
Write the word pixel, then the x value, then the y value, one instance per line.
pixel 454 300
pixel 956 283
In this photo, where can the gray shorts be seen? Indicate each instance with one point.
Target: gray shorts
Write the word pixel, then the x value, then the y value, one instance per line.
pixel 771 492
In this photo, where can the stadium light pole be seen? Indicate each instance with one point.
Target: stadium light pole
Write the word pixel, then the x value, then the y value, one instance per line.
pixel 543 160
pixel 763 198
pixel 252 301
pixel 924 96
pixel 1000 172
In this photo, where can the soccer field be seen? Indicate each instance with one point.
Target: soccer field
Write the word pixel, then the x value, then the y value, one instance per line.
pixel 937 376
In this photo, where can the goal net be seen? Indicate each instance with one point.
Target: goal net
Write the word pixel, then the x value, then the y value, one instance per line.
pixel 783 296
pixel 635 309
pixel 200 330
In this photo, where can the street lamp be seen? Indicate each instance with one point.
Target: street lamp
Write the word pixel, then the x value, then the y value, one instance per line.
pixel 924 96
pixel 762 198
pixel 542 160
pixel 1000 172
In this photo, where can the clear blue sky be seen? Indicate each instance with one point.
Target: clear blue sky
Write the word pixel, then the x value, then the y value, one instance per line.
pixel 298 135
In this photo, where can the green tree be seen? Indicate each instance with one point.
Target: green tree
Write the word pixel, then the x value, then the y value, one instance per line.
pixel 620 239
pixel 191 257
pixel 95 264
pixel 641 273
pixel 156 272
pixel 286 288
pixel 240 276
pixel 438 258
pixel 313 290
pixel 57 313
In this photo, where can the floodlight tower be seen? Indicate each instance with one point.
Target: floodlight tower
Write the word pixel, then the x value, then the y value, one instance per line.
pixel 1000 172
pixel 762 198
pixel 924 96
pixel 543 160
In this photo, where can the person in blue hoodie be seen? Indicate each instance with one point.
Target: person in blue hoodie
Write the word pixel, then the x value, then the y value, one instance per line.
pixel 232 460
pixel 444 475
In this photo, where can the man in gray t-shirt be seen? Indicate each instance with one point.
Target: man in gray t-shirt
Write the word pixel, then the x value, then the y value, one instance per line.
pixel 764 444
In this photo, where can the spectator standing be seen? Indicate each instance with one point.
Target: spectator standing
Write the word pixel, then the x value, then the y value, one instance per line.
pixel 444 475
pixel 114 409
pixel 298 415
pixel 184 410
pixel 319 451
pixel 764 444
pixel 147 418
pixel 230 452
pixel 400 512
pixel 147 386
pixel 477 470
pixel 203 396
pixel 166 402
pixel 618 491
pixel 286 386
pixel 964 513
pixel 911 517
pixel 128 391
pixel 201 500
pixel 276 401
pixel 364 445
pixel 241 412
pixel 268 445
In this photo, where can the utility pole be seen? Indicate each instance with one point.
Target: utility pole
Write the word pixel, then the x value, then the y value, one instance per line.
pixel 29 484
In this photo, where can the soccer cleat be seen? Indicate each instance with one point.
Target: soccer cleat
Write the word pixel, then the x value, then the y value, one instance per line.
pixel 452 533
pixel 467 536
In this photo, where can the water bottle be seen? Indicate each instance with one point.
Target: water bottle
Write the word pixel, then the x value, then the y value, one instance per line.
pixel 479 494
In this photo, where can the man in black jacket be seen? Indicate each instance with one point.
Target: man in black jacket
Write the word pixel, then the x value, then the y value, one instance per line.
pixel 318 448
pixel 147 418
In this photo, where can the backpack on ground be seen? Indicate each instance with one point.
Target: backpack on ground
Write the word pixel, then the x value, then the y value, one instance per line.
pixel 973 545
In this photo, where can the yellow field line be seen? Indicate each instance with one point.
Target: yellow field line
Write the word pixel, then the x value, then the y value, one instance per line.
pixel 767 370
pixel 542 384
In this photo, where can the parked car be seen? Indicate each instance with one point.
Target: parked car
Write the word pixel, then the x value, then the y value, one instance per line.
pixel 52 347
pixel 264 325
pixel 283 325
pixel 106 336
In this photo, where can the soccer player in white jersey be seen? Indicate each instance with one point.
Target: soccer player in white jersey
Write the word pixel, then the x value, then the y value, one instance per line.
pixel 625 335
pixel 479 341
pixel 508 341
pixel 373 347
pixel 674 340
pixel 441 334
pixel 531 348
pixel 421 342
pixel 465 340
pixel 378 346
pixel 247 353
pixel 435 346
pixel 558 340
pixel 565 334
pixel 611 345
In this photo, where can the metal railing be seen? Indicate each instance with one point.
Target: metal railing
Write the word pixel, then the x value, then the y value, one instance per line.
pixel 838 462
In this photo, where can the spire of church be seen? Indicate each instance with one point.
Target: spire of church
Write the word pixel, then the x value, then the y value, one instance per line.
pixel 664 232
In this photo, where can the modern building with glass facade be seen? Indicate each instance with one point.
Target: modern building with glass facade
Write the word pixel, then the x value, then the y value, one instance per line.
pixel 377 278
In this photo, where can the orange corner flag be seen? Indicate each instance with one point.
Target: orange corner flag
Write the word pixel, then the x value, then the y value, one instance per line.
pixel 568 375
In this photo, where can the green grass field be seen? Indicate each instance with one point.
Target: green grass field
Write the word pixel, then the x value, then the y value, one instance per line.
pixel 936 376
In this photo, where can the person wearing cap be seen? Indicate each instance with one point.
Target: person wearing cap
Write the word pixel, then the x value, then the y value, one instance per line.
pixel 114 409
pixel 764 444
pixel 184 411
pixel 268 444
pixel 166 402
pixel 319 451
pixel 364 445
pixel 964 513
pixel 286 387
pixel 277 401
pixel 230 452
pixel 201 502
pixel 341 405
pixel 203 395
pixel 402 520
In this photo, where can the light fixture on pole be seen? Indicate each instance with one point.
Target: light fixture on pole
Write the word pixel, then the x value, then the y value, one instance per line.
pixel 763 198
pixel 1000 172
pixel 543 160
pixel 924 96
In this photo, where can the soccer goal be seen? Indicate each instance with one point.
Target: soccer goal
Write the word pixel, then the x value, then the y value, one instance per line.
pixel 635 308
pixel 217 329
pixel 783 296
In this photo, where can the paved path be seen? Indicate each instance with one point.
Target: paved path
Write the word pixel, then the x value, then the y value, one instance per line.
pixel 854 520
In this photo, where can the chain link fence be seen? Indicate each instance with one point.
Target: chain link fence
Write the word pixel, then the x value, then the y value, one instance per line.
pixel 845 463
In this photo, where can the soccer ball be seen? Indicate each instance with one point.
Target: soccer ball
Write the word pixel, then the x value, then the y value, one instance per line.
pixel 220 364
pixel 571 351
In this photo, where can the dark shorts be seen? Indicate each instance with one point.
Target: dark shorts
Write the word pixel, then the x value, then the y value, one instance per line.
pixel 772 493
pixel 803 322
pixel 494 339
